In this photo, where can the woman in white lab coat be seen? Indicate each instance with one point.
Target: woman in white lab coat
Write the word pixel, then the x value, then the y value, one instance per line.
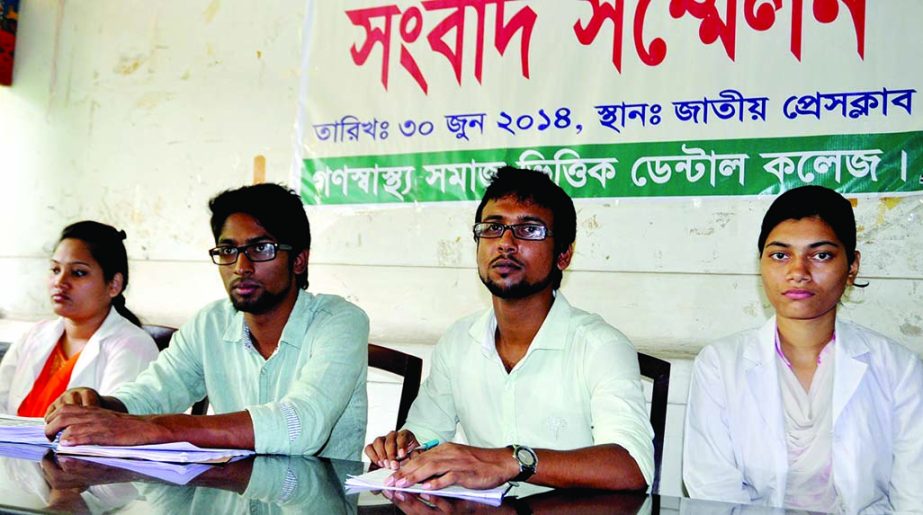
pixel 809 411
pixel 96 342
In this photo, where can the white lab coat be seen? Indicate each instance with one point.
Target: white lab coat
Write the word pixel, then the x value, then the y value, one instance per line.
pixel 735 449
pixel 116 353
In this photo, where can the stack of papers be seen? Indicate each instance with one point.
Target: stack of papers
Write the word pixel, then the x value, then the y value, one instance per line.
pixel 177 452
pixel 27 430
pixel 31 431
pixel 375 480
pixel 23 451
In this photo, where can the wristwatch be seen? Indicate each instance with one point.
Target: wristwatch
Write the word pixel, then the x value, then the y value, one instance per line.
pixel 527 460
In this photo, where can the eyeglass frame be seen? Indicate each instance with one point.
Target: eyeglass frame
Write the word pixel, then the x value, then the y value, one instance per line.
pixel 512 228
pixel 242 249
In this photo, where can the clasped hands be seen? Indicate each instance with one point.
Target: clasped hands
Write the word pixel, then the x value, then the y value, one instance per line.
pixel 444 465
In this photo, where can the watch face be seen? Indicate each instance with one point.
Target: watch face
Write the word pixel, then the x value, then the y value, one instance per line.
pixel 525 457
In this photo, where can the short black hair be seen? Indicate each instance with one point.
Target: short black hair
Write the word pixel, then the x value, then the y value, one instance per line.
pixel 277 208
pixel 535 187
pixel 813 201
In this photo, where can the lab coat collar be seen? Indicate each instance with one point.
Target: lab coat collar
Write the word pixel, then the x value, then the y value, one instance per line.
pixel 850 361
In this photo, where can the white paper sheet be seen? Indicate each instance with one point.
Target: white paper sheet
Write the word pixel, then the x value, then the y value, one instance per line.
pixel 375 480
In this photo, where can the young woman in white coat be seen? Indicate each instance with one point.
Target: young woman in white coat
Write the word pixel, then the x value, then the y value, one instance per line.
pixel 810 411
pixel 96 342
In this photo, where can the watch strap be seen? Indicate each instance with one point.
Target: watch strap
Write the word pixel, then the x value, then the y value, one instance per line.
pixel 525 470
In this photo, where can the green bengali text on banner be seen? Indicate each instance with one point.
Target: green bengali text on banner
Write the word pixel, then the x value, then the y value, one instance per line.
pixel 888 163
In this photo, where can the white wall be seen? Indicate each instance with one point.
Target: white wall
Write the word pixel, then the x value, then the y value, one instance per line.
pixel 135 113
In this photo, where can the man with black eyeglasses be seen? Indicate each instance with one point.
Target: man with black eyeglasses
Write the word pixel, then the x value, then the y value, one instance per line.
pixel 284 370
pixel 545 393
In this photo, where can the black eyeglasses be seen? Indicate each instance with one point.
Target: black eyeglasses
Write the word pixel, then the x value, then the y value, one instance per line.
pixel 530 231
pixel 256 252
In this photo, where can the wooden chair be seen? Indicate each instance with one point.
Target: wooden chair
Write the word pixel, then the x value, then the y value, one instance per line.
pixel 405 365
pixel 657 370
pixel 162 335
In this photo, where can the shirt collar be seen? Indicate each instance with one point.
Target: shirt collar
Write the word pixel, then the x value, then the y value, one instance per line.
pixel 245 337
pixel 292 334
pixel 551 335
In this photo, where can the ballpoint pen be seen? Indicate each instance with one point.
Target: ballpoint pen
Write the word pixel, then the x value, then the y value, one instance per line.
pixel 424 447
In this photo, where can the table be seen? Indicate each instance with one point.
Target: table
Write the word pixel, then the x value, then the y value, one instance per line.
pixel 33 482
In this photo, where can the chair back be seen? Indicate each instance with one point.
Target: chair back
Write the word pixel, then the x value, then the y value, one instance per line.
pixel 405 365
pixel 657 370
pixel 162 335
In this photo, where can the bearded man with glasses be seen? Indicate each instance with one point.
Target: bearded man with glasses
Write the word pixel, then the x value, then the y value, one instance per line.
pixel 545 393
pixel 284 370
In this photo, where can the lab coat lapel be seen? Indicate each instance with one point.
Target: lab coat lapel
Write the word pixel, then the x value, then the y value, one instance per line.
pixel 850 362
pixel 762 378
pixel 85 369
pixel 763 381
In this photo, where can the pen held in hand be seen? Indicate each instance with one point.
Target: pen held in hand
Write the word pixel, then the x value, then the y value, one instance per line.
pixel 425 447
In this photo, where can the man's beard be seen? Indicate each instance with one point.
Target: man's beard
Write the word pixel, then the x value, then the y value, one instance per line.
pixel 261 303
pixel 518 290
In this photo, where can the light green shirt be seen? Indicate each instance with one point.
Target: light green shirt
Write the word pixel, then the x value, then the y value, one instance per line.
pixel 278 484
pixel 578 385
pixel 308 398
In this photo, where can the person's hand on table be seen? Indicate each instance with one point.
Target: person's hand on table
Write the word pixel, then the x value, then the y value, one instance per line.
pixel 455 464
pixel 386 451
pixel 89 425
pixel 80 396
pixel 418 504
